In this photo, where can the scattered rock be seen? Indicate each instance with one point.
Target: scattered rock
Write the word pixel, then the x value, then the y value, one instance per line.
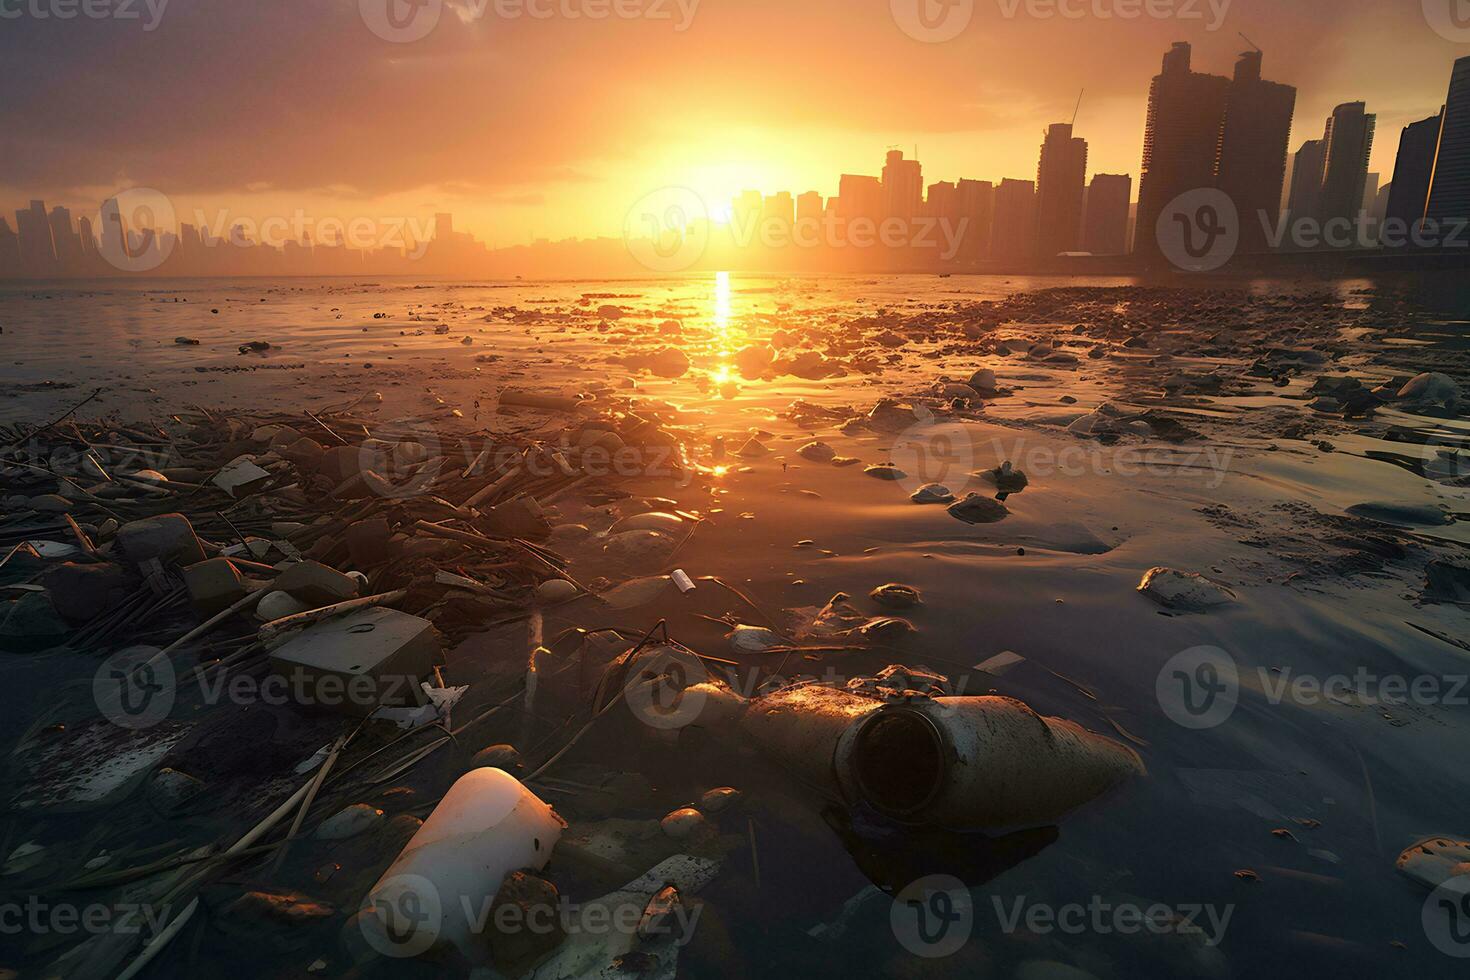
pixel 349 822
pixel 1184 590
pixel 1405 515
pixel 885 471
pixel 932 493
pixel 817 452
pixel 896 596
pixel 977 508
pixel 682 822
pixel 719 799
pixel 1433 861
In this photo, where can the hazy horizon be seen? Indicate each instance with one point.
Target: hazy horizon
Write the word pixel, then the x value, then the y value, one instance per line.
pixel 552 127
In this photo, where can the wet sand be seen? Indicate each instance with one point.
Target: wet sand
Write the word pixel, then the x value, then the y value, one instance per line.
pixel 1231 476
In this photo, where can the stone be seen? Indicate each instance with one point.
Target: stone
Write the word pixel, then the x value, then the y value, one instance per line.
pixel 984 381
pixel 170 789
pixel 555 590
pixel 637 545
pixel 349 822
pixel 1431 388
pixel 719 799
pixel 1184 590
pixel 49 503
pixel 752 639
pixel 32 618
pixel 932 493
pixel 817 452
pixel 167 537
pixel 896 596
pixel 501 756
pixel 682 822
pixel 315 584
pixel 977 508
pixel 885 471
pixel 525 922
pixel 1005 478
pixel 81 593
pixel 279 605
pixel 752 449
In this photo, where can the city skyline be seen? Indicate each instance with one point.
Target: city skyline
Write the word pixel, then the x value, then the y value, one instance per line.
pixel 1203 132
pixel 552 146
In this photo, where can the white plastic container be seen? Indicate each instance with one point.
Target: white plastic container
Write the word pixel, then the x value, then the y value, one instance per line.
pixel 440 886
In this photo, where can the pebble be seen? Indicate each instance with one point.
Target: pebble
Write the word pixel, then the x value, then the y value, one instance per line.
pixel 682 822
pixel 932 493
pixel 555 590
pixel 885 471
pixel 501 756
pixel 977 508
pixel 1184 590
pixel 817 452
pixel 718 799
pixel 752 639
pixel 349 822
pixel 896 596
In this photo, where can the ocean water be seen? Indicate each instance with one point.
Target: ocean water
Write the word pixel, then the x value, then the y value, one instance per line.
pixel 1272 825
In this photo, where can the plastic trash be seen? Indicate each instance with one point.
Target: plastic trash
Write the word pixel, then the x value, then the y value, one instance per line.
pixel 487 826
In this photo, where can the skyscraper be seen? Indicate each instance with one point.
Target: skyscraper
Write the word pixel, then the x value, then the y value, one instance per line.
pixel 1013 230
pixel 903 186
pixel 9 251
pixel 1254 139
pixel 809 206
pixel 859 197
pixel 1306 179
pixel 1186 112
pixel 37 254
pixel 779 207
pixel 1105 229
pixel 977 211
pixel 1061 177
pixel 1408 194
pixel 1449 192
pixel 1349 139
pixel 65 241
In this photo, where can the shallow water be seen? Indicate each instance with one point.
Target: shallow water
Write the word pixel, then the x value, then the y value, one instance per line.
pixel 1320 593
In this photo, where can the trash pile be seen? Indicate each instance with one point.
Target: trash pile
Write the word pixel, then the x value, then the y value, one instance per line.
pixel 358 821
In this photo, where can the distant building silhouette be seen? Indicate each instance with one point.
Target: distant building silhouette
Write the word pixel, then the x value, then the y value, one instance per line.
pixel 9 251
pixel 809 206
pixel 1105 228
pixel 1013 231
pixel 859 197
pixel 1254 138
pixel 779 208
pixel 37 254
pixel 1306 179
pixel 1061 177
pixel 942 200
pixel 1186 112
pixel 903 186
pixel 1449 192
pixel 1412 170
pixel 977 210
pixel 1349 139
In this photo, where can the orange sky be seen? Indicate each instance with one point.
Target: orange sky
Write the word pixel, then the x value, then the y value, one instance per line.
pixel 554 127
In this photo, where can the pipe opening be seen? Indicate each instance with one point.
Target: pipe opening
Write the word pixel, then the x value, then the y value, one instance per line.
pixel 898 759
